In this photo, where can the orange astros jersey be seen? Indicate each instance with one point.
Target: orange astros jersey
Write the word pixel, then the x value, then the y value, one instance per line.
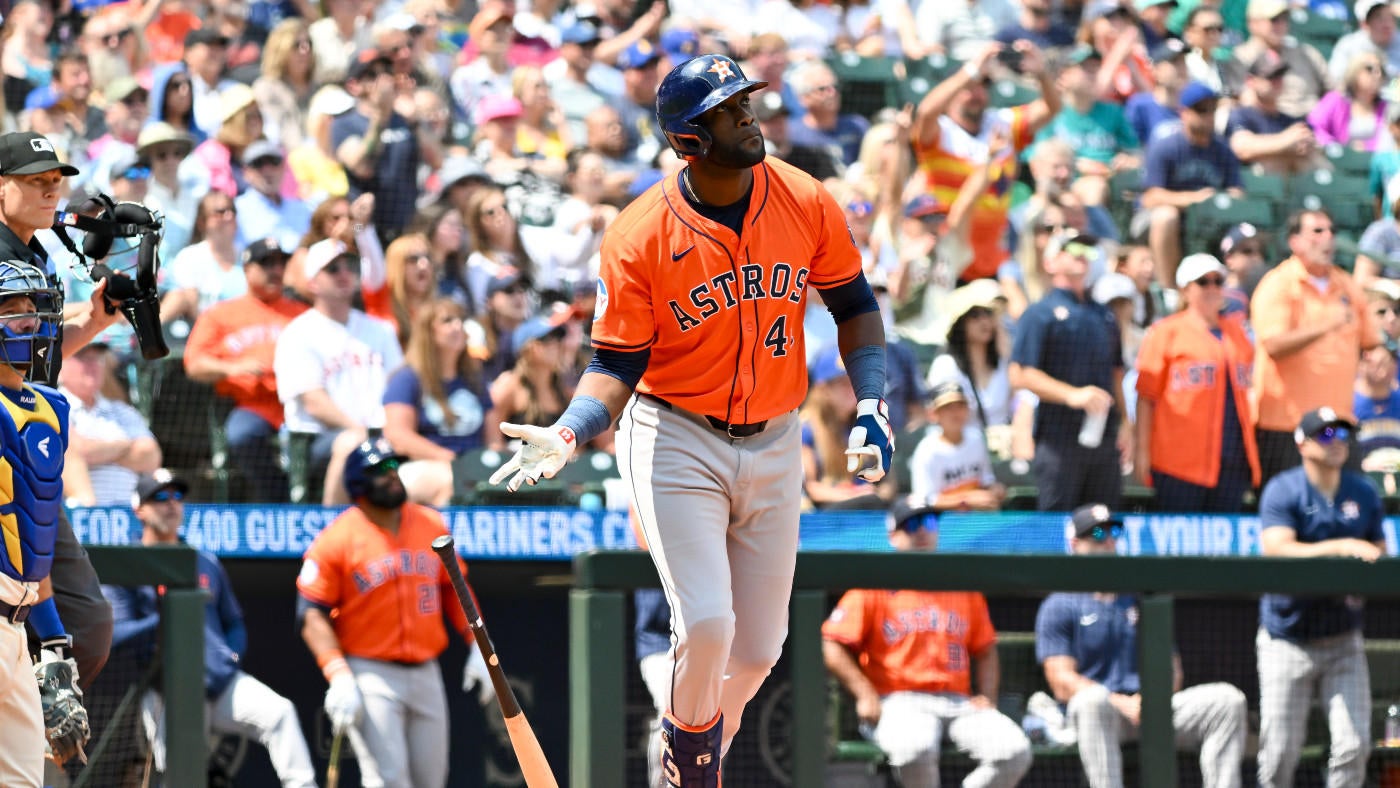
pixel 384 591
pixel 723 315
pixel 920 641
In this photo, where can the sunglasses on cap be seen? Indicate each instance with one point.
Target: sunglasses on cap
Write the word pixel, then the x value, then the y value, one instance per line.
pixel 1330 434
pixel 342 264
pixel 136 173
pixel 384 467
pixel 164 496
pixel 1100 533
pixel 925 522
pixel 1082 250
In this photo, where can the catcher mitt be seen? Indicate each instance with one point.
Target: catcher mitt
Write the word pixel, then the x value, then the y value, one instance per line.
pixel 65 719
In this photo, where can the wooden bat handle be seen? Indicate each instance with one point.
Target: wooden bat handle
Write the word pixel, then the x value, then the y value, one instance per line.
pixel 446 550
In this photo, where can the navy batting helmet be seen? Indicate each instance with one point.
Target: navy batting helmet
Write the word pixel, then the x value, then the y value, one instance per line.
pixel 361 463
pixel 689 91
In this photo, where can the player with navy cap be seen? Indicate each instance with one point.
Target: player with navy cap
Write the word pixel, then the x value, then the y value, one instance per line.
pixel 1307 646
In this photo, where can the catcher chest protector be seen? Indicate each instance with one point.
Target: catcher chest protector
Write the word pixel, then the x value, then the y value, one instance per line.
pixel 689 91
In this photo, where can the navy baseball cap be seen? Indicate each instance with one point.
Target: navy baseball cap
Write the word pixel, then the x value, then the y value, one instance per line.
pixel 1315 421
pixel 152 483
pixel 1237 235
pixel 1170 49
pixel 924 205
pixel 1095 520
pixel 912 513
pixel 28 153
pixel 263 248
pixel 1196 92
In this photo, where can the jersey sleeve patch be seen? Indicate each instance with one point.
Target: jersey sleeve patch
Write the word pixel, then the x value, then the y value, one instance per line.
pixel 309 572
pixel 600 307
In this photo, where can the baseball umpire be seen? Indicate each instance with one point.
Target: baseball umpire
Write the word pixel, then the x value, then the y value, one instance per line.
pixel 699 346
pixel 370 604
pixel 33 438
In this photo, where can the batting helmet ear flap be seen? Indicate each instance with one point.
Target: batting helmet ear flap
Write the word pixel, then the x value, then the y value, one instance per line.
pixel 690 145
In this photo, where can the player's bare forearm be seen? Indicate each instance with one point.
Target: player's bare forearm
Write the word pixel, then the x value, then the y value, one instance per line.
pixel 859 331
pixel 319 635
pixel 1062 674
pixel 1039 383
pixel 986 677
pixel 842 664
pixel 607 389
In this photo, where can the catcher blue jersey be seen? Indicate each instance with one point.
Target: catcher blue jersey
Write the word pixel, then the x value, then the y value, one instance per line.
pixel 33 439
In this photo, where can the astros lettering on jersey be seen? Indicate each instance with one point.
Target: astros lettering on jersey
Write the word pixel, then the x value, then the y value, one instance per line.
pixel 384 590
pixel 673 281
pixel 921 641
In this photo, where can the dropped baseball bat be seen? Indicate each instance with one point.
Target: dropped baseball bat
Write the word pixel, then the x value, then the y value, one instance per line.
pixel 533 765
pixel 333 770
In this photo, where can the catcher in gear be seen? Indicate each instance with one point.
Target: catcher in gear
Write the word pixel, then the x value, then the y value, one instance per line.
pixel 699 348
pixel 45 710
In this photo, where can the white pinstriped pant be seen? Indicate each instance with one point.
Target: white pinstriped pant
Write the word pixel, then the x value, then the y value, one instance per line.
pixel 911 730
pixel 1290 674
pixel 1209 716
pixel 21 718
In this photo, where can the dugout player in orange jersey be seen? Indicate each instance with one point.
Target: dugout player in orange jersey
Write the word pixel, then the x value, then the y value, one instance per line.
pixel 698 345
pixel 914 659
pixel 370 605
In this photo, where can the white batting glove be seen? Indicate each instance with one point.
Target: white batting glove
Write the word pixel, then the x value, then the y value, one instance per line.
pixel 543 451
pixel 871 445
pixel 343 701
pixel 477 677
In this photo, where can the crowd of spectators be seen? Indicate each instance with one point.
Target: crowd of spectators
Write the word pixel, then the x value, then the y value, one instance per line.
pixel 450 170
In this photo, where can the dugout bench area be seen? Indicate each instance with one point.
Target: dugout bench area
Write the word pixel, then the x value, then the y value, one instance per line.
pixel 825 748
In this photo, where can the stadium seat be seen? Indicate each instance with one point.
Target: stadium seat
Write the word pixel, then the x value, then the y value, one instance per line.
pixel 1345 197
pixel 1271 187
pixel 1124 188
pixel 1010 93
pixel 300 478
pixel 1318 30
pixel 922 74
pixel 1348 160
pixel 472 470
pixel 868 84
pixel 1206 221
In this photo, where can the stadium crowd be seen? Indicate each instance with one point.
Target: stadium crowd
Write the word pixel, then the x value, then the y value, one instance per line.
pixel 416 193
pixel 1115 242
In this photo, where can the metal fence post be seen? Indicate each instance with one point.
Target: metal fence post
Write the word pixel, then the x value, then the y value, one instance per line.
pixel 1155 648
pixel 597 689
pixel 808 688
pixel 182 633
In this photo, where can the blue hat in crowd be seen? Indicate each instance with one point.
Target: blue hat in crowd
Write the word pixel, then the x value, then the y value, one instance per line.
pixel 680 45
pixel 827 365
pixel 639 55
pixel 580 32
pixel 533 329
pixel 1196 92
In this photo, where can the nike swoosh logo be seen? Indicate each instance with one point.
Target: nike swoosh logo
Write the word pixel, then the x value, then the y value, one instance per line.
pixel 1088 621
pixel 676 256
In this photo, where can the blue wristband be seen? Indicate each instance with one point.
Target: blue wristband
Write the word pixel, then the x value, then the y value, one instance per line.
pixel 587 416
pixel 43 619
pixel 866 368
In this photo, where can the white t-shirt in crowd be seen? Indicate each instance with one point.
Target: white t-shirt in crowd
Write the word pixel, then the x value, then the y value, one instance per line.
pixel 351 361
pixel 938 466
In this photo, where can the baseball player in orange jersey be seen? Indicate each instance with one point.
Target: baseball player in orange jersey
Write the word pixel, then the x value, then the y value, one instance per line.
pixel 909 658
pixel 698 345
pixel 370 603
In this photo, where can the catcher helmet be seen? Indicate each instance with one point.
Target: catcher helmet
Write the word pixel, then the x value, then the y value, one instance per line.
pixel 361 464
pixel 689 91
pixel 21 344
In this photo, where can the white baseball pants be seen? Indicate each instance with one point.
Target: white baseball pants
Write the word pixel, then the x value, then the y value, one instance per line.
pixel 1290 674
pixel 1208 716
pixel 911 729
pixel 21 717
pixel 249 708
pixel 721 517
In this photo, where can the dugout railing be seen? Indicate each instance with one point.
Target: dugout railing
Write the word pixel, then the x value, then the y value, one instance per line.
pixel 182 648
pixel 599 628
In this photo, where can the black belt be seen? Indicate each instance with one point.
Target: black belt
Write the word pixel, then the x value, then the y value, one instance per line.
pixel 15 614
pixel 732 430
